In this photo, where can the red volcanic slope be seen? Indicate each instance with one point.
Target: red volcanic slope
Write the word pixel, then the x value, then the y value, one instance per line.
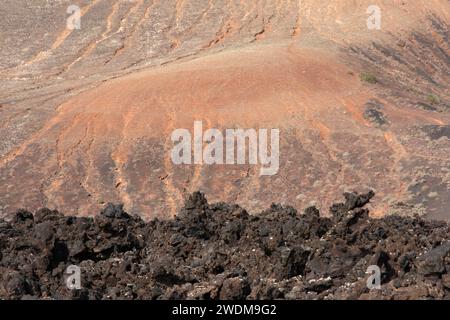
pixel 89 112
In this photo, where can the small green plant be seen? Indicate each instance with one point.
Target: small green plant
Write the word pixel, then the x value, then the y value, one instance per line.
pixel 368 77
pixel 433 99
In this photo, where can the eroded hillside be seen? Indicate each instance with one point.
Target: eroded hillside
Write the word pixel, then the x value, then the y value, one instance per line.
pixel 87 114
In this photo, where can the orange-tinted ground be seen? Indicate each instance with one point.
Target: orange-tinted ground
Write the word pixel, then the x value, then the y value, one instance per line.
pixel 87 114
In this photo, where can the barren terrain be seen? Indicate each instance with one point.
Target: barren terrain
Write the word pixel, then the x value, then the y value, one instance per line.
pixel 220 251
pixel 86 115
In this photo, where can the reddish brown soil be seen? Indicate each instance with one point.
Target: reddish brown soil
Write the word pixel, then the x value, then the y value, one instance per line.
pixel 88 113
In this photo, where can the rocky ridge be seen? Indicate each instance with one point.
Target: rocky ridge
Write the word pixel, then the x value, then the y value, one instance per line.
pixel 220 251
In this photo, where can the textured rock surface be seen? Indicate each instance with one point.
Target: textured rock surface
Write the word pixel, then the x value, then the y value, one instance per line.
pixel 86 115
pixel 212 251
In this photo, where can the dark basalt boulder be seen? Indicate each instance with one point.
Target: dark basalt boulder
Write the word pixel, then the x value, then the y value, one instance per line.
pixel 212 251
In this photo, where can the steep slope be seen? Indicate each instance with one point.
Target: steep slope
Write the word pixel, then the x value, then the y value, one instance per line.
pixel 90 112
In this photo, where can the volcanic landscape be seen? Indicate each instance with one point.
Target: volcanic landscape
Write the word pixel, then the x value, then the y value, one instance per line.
pixel 86 176
pixel 87 114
